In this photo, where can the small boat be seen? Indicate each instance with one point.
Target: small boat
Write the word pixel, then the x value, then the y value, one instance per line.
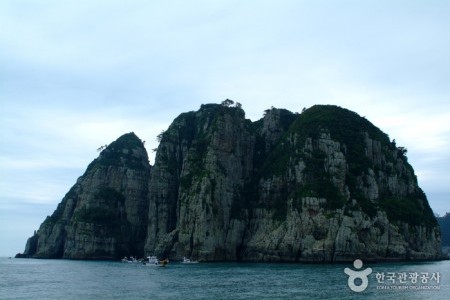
pixel 129 260
pixel 163 263
pixel 154 261
pixel 188 261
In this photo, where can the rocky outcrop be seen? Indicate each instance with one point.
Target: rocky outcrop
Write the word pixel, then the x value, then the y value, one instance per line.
pixel 325 185
pixel 198 175
pixel 103 216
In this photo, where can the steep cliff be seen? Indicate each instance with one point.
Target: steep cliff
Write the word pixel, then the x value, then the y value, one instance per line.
pixel 201 166
pixel 321 186
pixel 103 216
pixel 335 188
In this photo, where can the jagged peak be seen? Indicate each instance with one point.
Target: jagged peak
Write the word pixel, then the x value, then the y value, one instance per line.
pixel 339 122
pixel 227 106
pixel 276 111
pixel 126 141
pixel 187 123
pixel 127 151
pixel 275 117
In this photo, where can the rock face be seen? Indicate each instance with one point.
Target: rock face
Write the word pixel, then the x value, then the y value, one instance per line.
pixel 201 166
pixel 104 215
pixel 321 186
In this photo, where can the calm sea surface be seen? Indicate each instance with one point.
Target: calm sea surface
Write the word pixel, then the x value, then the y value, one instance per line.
pixel 66 279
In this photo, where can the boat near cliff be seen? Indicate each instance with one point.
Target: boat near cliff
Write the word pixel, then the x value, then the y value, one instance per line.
pixel 188 261
pixel 130 259
pixel 153 261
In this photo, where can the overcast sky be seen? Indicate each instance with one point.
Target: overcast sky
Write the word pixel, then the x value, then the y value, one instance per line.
pixel 75 75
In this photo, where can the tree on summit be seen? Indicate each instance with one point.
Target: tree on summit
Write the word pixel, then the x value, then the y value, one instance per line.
pixel 227 102
pixel 160 136
pixel 102 147
pixel 402 151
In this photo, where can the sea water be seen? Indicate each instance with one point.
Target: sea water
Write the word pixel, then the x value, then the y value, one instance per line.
pixel 69 279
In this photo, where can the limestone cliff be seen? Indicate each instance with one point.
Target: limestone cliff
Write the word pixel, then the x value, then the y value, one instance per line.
pixel 103 216
pixel 321 186
pixel 335 188
pixel 201 166
pixel 324 185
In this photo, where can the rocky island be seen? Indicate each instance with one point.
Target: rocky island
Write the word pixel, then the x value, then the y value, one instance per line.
pixel 323 185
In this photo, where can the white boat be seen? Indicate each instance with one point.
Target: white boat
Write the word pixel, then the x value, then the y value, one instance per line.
pixel 154 261
pixel 129 260
pixel 188 261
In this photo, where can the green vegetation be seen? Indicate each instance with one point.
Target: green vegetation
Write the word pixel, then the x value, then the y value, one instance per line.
pixel 366 205
pixel 107 215
pixel 344 126
pixel 119 153
pixel 310 124
pixel 319 183
pixel 350 130
pixel 278 160
pixel 274 161
pixel 196 156
pixel 110 195
pixel 413 209
pixel 96 215
pixel 106 221
pixel 196 130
